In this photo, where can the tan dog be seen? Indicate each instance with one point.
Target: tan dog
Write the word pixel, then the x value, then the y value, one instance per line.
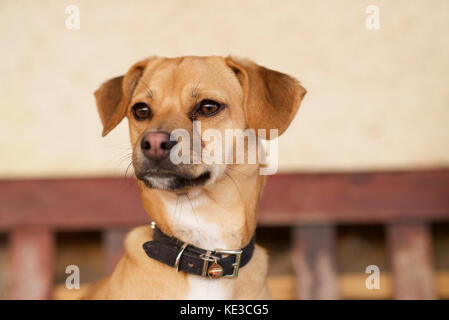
pixel 208 206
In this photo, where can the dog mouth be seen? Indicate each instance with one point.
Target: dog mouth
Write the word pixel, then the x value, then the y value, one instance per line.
pixel 167 180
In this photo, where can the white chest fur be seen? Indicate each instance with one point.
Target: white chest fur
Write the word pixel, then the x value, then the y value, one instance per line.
pixel 209 289
pixel 191 226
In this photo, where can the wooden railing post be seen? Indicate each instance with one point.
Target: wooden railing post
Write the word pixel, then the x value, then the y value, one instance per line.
pixel 30 269
pixel 314 262
pixel 113 246
pixel 411 255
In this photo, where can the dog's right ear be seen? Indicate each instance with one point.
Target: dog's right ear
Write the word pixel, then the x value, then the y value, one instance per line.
pixel 114 95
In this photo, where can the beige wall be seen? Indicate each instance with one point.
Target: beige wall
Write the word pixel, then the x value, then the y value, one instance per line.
pixel 377 98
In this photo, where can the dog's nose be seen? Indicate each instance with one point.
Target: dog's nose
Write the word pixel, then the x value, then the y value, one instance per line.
pixel 156 145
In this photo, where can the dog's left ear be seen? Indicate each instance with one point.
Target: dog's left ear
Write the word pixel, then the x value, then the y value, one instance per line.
pixel 114 95
pixel 271 98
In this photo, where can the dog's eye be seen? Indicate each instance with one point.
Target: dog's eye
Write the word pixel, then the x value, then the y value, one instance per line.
pixel 141 111
pixel 209 108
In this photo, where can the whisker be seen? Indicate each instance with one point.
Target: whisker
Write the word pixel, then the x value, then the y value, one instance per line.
pixel 238 171
pixel 127 168
pixel 228 174
pixel 123 158
pixel 178 197
pixel 193 210
pixel 128 155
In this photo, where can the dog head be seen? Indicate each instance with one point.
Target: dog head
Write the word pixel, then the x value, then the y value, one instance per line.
pixel 162 95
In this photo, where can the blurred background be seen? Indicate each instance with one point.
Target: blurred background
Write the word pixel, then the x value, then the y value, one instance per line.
pixel 369 149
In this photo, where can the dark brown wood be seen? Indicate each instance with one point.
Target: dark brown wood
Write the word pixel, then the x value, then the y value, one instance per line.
pixel 113 247
pixel 71 203
pixel 411 255
pixel 314 262
pixel 287 199
pixel 356 197
pixel 30 263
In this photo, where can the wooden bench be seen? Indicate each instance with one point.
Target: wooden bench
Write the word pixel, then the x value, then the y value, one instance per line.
pixel 312 204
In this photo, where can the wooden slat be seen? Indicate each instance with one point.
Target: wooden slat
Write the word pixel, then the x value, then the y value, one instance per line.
pixel 113 247
pixel 356 197
pixel 314 262
pixel 412 261
pixel 73 204
pixel 30 268
pixel 287 199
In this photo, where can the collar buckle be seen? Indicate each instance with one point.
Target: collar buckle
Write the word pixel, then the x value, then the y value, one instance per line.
pixel 236 264
pixel 209 257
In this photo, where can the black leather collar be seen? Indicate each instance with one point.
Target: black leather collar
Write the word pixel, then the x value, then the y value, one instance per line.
pixel 190 259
